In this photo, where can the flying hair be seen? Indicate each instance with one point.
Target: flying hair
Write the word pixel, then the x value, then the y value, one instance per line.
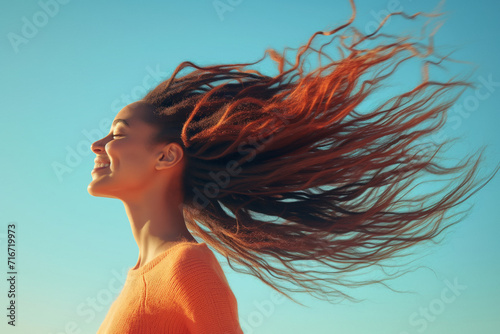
pixel 285 172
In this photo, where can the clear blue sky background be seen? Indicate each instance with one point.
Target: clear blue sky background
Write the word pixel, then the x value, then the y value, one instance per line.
pixel 90 58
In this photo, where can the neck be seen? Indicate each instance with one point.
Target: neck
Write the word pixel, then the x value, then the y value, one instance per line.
pixel 156 222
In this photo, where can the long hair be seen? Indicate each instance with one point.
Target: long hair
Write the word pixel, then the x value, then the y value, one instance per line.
pixel 285 171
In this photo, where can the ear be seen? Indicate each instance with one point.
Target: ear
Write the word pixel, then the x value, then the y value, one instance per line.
pixel 169 156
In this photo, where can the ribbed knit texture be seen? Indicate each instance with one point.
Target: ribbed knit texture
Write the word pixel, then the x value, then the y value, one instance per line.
pixel 182 290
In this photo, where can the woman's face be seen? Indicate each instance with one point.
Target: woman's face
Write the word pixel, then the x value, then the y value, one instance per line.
pixel 129 152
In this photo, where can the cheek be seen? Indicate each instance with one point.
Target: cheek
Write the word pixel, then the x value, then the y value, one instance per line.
pixel 130 161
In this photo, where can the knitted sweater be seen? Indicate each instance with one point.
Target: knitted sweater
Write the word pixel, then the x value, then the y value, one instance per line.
pixel 182 290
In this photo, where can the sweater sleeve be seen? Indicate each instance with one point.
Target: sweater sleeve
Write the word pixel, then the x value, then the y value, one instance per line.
pixel 204 296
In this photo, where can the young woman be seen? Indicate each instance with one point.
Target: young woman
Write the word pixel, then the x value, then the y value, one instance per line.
pixel 276 173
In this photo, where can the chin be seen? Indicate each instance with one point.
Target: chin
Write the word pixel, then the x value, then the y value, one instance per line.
pixel 95 192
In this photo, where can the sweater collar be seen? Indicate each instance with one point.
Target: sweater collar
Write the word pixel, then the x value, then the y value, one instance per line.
pixel 135 272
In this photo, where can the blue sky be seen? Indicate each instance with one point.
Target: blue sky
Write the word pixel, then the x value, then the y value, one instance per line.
pixel 68 67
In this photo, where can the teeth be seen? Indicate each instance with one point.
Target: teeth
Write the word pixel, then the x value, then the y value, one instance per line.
pixel 101 165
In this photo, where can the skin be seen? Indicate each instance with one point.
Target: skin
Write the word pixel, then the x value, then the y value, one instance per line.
pixel 146 177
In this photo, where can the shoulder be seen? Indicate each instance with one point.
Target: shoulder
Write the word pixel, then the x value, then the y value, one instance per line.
pixel 191 263
pixel 186 251
pixel 202 292
pixel 189 256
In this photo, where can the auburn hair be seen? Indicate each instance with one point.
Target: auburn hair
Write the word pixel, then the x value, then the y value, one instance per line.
pixel 284 172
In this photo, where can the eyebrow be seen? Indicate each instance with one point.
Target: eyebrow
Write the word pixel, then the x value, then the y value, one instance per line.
pixel 119 120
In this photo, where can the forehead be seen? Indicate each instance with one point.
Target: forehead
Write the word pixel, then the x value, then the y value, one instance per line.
pixel 136 111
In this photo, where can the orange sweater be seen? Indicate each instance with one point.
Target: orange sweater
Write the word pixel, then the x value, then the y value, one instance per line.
pixel 182 290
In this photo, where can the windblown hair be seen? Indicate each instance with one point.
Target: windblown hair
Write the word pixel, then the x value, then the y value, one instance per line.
pixel 284 170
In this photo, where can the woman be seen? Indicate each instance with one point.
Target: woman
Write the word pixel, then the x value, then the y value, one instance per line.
pixel 175 287
pixel 194 157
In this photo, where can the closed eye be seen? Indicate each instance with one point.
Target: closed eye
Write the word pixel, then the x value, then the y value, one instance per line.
pixel 117 136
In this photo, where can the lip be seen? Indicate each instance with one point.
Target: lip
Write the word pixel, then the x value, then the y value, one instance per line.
pixel 97 169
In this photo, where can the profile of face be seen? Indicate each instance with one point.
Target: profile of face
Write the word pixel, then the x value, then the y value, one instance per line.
pixel 127 161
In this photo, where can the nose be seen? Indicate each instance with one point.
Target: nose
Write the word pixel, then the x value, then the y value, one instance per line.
pixel 97 146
